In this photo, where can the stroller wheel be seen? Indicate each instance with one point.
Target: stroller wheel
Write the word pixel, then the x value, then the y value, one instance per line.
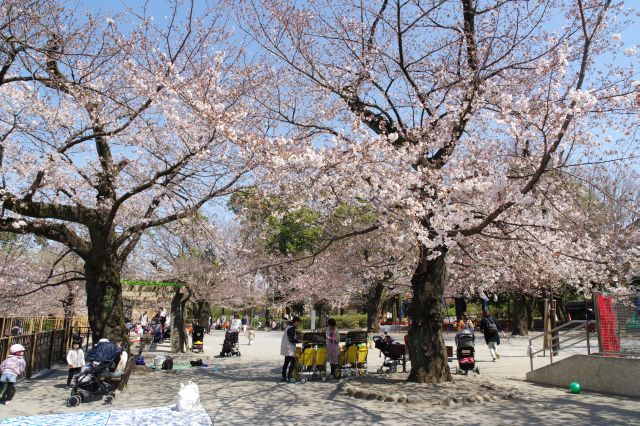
pixel 323 378
pixel 73 401
pixel 238 353
pixel 380 370
pixel 108 399
pixel 303 380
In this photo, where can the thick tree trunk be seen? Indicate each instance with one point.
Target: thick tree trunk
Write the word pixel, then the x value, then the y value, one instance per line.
pixel 530 312
pixel 375 300
pixel 520 315
pixel 104 297
pixel 204 310
pixel 460 306
pixel 321 316
pixel 178 335
pixel 427 348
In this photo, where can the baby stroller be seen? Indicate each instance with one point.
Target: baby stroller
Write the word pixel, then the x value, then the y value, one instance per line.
pixel 230 345
pixel 311 359
pixel 197 339
pixel 465 351
pixel 394 354
pixel 88 382
pixel 352 359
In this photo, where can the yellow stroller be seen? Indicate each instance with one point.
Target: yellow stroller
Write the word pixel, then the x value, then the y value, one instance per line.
pixel 311 358
pixel 352 359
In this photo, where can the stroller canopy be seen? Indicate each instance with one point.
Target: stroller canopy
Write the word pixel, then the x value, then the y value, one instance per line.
pixel 103 351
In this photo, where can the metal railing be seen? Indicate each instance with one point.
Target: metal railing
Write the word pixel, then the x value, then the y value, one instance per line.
pixel 618 319
pixel 565 336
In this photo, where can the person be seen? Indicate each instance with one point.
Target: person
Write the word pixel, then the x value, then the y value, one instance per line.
pixel 144 319
pixel 75 360
pixel 490 327
pixel 465 323
pixel 163 319
pixel 251 335
pixel 245 325
pixel 333 345
pixel 209 324
pixel 236 324
pixel 124 357
pixel 11 368
pixel 288 349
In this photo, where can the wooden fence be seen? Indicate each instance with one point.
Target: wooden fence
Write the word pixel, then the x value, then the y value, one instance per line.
pixel 14 326
pixel 46 339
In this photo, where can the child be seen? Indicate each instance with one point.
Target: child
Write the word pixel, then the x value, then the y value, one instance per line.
pixel 252 336
pixel 75 359
pixel 11 368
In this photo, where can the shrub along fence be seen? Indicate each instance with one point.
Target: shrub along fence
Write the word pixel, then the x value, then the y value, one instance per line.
pixel 46 343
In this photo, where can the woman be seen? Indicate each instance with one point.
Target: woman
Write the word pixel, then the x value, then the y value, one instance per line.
pixel 288 349
pixel 465 323
pixel 490 327
pixel 333 345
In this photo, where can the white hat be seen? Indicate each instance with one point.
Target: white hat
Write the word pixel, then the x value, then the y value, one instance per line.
pixel 103 340
pixel 17 348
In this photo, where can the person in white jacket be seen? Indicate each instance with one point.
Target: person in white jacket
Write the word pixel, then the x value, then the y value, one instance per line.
pixel 75 359
pixel 288 349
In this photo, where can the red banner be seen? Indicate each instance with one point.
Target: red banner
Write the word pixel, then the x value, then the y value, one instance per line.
pixel 608 324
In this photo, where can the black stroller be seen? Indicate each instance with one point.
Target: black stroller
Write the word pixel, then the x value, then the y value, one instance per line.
pixel 197 339
pixel 230 346
pixel 465 351
pixel 394 354
pixel 89 381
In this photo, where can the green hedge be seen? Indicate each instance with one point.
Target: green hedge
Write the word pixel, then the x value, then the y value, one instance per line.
pixel 343 322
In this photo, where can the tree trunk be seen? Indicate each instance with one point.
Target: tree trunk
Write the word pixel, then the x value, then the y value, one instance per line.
pixel 204 311
pixel 530 312
pixel 460 306
pixel 178 335
pixel 520 315
pixel 321 316
pixel 375 300
pixel 426 343
pixel 104 297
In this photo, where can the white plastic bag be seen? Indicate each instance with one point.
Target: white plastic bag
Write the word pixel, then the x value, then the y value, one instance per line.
pixel 188 397
pixel 158 360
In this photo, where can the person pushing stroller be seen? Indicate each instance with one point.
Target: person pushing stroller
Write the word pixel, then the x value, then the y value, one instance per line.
pixel 288 349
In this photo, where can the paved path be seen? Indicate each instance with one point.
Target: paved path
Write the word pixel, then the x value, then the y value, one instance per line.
pixel 246 390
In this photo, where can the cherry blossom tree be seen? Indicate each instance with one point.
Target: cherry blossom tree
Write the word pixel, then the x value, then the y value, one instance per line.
pixel 451 116
pixel 38 277
pixel 108 132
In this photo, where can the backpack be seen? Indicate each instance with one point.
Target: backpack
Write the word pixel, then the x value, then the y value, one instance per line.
pixel 491 326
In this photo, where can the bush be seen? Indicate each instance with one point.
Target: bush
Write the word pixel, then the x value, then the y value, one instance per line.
pixel 343 322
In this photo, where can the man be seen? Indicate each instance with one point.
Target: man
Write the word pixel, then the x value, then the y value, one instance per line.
pixel 245 325
pixel 288 349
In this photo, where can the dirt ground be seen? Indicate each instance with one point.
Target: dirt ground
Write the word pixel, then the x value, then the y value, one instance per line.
pixel 247 390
